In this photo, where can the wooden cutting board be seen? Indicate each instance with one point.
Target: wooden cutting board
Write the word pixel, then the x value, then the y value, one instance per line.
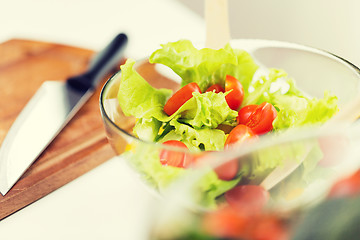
pixel 80 147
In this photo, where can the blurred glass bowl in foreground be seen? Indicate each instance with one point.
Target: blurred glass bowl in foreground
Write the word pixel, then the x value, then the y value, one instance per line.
pixel 313 70
pixel 324 205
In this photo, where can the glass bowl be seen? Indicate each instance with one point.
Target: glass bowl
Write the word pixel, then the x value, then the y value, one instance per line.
pixel 314 71
pixel 322 205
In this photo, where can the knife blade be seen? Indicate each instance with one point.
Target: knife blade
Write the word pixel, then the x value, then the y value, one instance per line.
pixel 48 112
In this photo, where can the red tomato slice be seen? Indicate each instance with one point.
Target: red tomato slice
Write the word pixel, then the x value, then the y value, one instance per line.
pixel 180 97
pixel 236 96
pixel 260 121
pixel 346 187
pixel 238 135
pixel 216 87
pixel 245 112
pixel 269 228
pixel 226 223
pixel 248 199
pixel 174 158
pixel 228 170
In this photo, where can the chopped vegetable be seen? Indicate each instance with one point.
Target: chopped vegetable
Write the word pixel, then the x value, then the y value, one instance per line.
pixel 174 158
pixel 236 92
pixel 261 119
pixel 180 97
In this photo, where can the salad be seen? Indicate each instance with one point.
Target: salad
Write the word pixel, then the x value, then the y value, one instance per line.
pixel 225 99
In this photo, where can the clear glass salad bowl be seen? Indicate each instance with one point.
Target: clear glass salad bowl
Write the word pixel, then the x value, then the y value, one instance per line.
pixel 323 205
pixel 314 71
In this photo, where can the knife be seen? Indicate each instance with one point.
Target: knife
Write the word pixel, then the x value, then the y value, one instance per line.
pixel 49 110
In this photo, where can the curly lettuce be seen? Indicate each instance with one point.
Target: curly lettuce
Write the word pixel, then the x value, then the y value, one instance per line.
pixel 205 66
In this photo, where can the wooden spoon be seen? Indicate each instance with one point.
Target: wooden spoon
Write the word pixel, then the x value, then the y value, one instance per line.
pixel 347 115
pixel 217 23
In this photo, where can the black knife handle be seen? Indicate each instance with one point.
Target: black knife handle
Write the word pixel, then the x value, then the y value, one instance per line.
pixel 103 62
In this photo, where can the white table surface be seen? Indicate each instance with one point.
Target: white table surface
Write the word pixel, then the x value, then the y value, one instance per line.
pixel 107 202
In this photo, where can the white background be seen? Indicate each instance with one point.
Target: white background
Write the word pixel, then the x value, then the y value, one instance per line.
pixel 109 202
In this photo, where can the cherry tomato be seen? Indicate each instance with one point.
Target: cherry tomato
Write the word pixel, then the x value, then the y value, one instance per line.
pixel 180 97
pixel 261 119
pixel 346 187
pixel 236 96
pixel 269 228
pixel 245 112
pixel 248 199
pixel 238 135
pixel 225 223
pixel 228 170
pixel 216 87
pixel 174 158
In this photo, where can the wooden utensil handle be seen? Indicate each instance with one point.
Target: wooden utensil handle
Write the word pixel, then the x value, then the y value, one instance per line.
pixel 217 23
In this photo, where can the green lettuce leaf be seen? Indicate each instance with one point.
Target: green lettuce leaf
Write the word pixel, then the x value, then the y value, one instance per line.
pixel 145 159
pixel 294 108
pixel 137 97
pixel 147 129
pixel 205 66
pixel 211 109
pixel 300 111
pixel 207 139
pixel 207 109
pixel 209 187
pixel 260 90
